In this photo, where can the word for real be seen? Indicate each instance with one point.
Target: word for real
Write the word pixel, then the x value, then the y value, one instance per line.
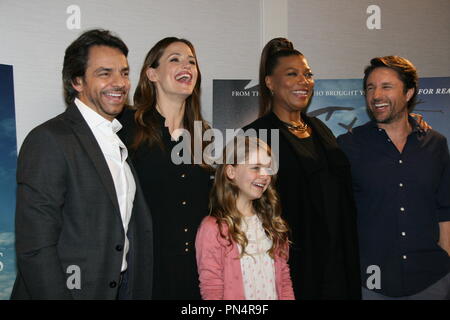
pixel 434 91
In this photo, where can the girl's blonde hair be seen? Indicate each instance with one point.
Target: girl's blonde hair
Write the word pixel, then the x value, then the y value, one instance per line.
pixel 225 192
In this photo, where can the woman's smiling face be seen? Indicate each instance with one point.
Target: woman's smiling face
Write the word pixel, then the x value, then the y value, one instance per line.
pixel 177 71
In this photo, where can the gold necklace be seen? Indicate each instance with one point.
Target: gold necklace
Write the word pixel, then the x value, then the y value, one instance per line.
pixel 301 128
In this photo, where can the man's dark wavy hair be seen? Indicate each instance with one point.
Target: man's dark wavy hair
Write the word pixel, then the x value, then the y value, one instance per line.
pixel 406 71
pixel 77 55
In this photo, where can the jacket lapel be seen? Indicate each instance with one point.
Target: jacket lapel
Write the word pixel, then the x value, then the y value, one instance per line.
pixel 90 145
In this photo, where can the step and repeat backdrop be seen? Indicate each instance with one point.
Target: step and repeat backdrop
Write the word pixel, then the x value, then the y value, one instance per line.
pixel 338 37
pixel 339 103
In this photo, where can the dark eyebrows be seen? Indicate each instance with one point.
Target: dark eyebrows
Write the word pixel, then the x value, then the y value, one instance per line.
pixel 102 69
pixel 295 69
pixel 178 54
pixel 371 84
pixel 290 69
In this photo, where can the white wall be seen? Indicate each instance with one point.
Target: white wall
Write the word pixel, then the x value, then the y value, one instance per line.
pixel 33 38
pixel 334 37
pixel 228 36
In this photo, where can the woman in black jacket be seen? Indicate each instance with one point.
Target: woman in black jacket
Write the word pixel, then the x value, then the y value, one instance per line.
pixel 314 180
pixel 176 184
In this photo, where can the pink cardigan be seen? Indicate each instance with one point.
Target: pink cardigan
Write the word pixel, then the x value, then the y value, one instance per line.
pixel 219 267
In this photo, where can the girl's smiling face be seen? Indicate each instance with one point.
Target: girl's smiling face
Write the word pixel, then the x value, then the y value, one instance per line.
pixel 253 176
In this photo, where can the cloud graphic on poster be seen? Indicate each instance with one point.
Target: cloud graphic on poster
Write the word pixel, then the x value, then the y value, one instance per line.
pixel 6 285
pixel 8 264
pixel 8 127
pixel 6 239
pixel 13 153
pixel 7 175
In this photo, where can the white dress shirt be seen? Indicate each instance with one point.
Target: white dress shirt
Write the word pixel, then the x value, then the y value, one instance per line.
pixel 115 154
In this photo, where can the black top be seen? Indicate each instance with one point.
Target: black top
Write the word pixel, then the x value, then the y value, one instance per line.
pixel 314 184
pixel 178 198
pixel 401 198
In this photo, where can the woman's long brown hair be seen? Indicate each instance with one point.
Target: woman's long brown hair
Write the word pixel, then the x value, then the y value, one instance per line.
pixel 145 100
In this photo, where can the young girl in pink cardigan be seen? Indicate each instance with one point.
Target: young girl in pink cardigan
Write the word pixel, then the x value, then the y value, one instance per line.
pixel 242 247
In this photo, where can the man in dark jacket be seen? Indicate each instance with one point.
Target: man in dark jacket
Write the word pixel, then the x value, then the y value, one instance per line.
pixel 401 180
pixel 83 229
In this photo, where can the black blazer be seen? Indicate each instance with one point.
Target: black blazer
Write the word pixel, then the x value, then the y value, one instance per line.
pixel 177 195
pixel 310 188
pixel 67 215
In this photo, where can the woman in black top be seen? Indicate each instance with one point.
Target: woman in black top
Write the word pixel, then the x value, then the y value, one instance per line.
pixel 167 98
pixel 314 180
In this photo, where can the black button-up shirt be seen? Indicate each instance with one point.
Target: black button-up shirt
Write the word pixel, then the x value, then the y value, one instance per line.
pixel 401 198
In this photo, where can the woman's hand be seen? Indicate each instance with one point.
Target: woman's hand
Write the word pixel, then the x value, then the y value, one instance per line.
pixel 422 123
